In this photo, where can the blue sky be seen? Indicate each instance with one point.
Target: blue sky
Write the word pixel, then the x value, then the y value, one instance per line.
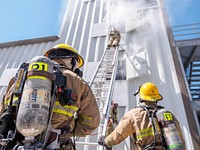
pixel 26 19
pixel 182 12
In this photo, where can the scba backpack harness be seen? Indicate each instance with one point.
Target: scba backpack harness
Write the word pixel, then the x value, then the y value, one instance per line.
pixel 163 126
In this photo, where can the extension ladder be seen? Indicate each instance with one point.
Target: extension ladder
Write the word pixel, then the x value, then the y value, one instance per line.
pixel 102 85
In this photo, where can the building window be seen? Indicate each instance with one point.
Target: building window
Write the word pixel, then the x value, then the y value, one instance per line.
pixel 121 67
pixel 149 3
pixel 121 70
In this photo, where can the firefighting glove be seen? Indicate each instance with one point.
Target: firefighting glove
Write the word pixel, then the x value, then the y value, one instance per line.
pixel 101 140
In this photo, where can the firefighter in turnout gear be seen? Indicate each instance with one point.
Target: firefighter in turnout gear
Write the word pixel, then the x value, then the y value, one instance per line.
pixel 151 126
pixel 75 110
pixel 114 38
pixel 81 117
pixel 112 118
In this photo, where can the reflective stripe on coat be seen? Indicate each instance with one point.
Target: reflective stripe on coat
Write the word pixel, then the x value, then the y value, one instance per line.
pixel 85 108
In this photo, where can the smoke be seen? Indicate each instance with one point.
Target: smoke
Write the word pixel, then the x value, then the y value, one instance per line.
pixel 127 16
pixel 120 10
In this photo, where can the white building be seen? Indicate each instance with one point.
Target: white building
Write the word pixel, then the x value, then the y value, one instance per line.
pixel 148 53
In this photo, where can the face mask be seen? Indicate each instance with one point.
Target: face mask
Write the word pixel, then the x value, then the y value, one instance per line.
pixel 64 62
pixel 68 62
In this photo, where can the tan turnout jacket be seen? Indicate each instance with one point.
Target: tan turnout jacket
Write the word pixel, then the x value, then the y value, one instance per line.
pixel 132 124
pixel 114 38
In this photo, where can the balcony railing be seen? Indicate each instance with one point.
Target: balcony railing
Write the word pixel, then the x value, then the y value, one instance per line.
pixel 186 32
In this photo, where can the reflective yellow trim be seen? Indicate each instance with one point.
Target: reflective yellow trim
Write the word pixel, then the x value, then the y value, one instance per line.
pixel 15 101
pixel 67 110
pixel 72 107
pixel 85 123
pixel 176 146
pixel 63 112
pixel 86 120
pixel 144 133
pixel 7 101
pixel 86 117
pixel 37 77
pixel 67 106
pixel 19 78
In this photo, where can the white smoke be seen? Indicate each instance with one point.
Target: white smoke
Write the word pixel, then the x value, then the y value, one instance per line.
pixel 124 13
pixel 120 10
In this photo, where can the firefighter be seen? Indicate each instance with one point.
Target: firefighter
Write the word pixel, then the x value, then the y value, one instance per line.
pixel 85 107
pixel 112 118
pixel 141 124
pixel 114 38
pixel 81 116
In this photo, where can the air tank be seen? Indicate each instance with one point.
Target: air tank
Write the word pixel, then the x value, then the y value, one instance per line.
pixel 33 114
pixel 170 132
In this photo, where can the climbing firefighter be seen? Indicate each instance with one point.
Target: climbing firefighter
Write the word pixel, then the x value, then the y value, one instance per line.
pixel 75 111
pixel 151 126
pixel 112 118
pixel 114 38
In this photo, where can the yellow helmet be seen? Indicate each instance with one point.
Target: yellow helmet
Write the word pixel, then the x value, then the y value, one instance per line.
pixel 149 92
pixel 62 51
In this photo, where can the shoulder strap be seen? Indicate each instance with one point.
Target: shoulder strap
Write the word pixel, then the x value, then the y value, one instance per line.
pixel 152 114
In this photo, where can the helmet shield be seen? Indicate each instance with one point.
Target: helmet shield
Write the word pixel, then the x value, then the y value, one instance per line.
pixel 64 51
pixel 61 54
pixel 149 92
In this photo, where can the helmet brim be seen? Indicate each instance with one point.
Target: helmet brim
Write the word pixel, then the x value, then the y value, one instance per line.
pixel 151 98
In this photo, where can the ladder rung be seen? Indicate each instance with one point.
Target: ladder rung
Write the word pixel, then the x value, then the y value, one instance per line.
pixel 103 75
pixel 103 69
pixel 87 143
pixel 103 89
pixel 99 80
pixel 102 97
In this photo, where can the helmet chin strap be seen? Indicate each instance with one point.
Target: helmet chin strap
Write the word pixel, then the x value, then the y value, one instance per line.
pixel 146 101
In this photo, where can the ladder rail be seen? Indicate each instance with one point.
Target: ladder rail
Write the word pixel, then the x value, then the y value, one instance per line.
pixel 106 110
pixel 100 62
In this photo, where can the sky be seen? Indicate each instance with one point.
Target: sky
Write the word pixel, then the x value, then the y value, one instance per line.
pixel 27 19
pixel 181 12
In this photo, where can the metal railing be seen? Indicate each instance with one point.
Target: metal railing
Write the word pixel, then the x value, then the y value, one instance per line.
pixel 186 32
